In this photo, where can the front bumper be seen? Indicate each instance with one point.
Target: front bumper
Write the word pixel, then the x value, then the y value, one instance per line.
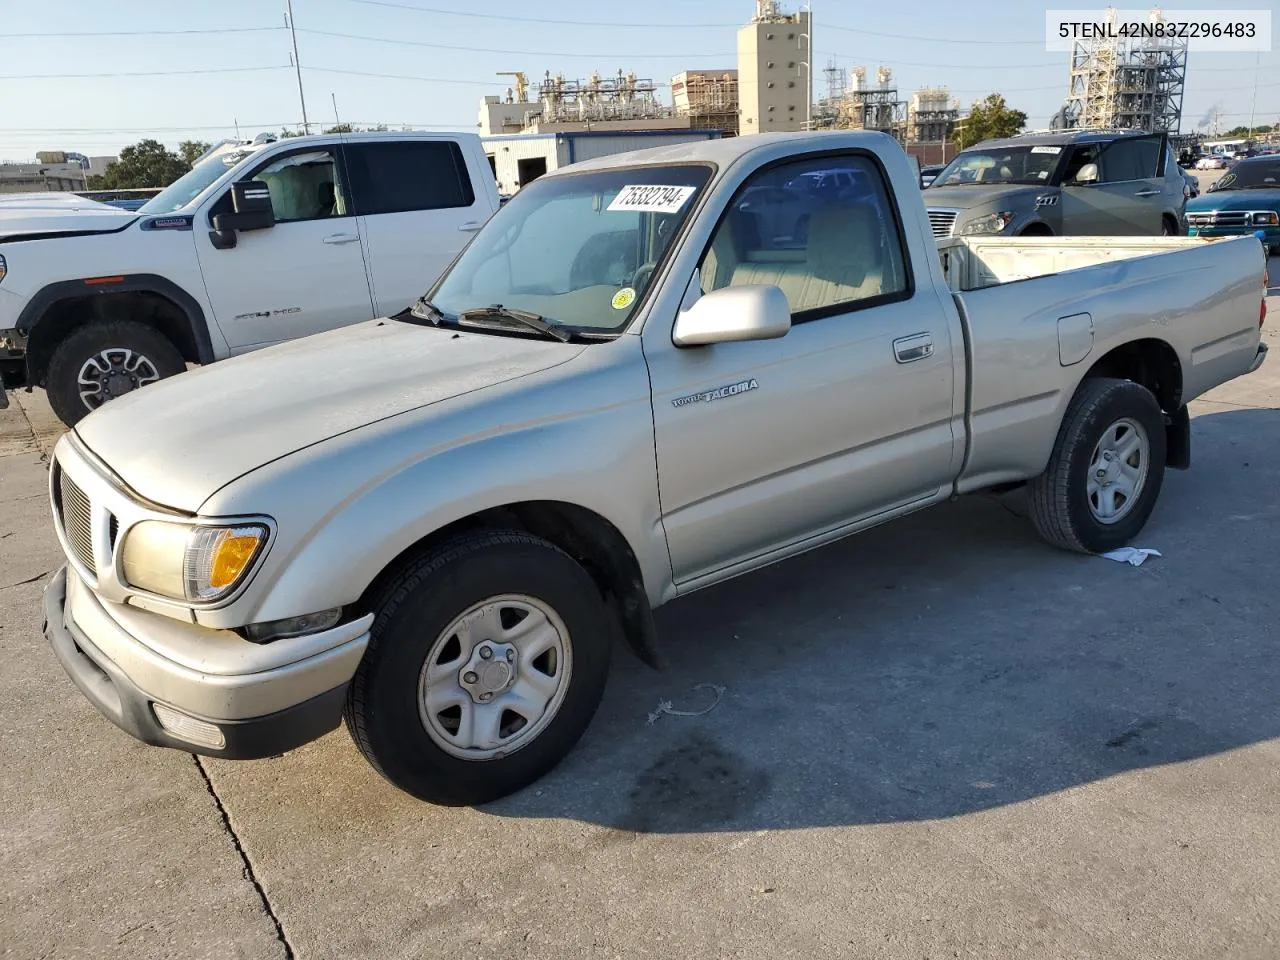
pixel 125 678
pixel 1271 235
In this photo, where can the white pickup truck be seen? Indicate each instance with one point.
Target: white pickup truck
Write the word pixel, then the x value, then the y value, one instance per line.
pixel 260 242
pixel 438 523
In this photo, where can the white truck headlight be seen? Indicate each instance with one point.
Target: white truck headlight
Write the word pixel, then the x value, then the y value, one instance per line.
pixel 991 223
pixel 4 269
pixel 190 562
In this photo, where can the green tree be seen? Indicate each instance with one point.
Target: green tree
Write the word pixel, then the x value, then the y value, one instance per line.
pixel 989 118
pixel 190 151
pixel 146 163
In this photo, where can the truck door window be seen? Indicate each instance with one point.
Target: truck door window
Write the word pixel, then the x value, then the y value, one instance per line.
pixel 396 177
pixel 304 186
pixel 833 241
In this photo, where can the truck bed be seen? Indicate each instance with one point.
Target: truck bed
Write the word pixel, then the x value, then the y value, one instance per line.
pixel 973 263
pixel 1037 311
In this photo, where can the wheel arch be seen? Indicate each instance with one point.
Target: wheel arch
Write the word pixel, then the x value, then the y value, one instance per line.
pixel 1036 228
pixel 1154 364
pixel 59 308
pixel 583 534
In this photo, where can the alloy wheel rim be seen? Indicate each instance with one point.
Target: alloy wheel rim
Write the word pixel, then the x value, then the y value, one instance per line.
pixel 112 373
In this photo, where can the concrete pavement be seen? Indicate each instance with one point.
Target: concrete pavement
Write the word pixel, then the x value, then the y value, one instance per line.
pixel 938 739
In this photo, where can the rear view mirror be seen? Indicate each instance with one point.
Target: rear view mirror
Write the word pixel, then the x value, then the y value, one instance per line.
pixel 251 210
pixel 756 312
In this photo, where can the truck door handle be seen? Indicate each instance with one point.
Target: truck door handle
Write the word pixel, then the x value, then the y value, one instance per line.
pixel 915 347
pixel 1146 193
pixel 340 238
pixel 469 226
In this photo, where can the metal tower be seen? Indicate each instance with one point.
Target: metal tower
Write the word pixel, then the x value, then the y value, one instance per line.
pixel 1129 83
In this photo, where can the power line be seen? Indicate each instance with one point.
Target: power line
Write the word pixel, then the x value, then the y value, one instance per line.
pixel 150 73
pixel 494 16
pixel 522 53
pixel 134 33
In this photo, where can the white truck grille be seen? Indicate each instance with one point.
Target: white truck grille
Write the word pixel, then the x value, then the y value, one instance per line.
pixel 76 517
pixel 942 221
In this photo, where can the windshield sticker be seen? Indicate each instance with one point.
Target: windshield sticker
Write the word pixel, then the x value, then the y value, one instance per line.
pixel 624 298
pixel 1054 150
pixel 651 198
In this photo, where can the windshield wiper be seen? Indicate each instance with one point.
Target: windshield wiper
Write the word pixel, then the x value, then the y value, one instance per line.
pixel 534 321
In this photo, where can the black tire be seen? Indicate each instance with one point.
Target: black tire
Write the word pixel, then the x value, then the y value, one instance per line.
pixel 106 337
pixel 1169 227
pixel 1059 497
pixel 415 607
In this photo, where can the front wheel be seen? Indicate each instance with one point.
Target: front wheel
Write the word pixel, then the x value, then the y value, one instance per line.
pixel 487 661
pixel 103 360
pixel 1106 469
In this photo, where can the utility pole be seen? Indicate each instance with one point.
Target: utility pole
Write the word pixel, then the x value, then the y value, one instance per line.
pixel 1257 57
pixel 297 68
pixel 334 98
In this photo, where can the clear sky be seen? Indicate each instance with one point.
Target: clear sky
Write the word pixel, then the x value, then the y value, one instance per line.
pixel 437 60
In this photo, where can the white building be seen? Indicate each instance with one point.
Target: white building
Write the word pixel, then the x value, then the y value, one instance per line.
pixel 773 71
pixel 520 158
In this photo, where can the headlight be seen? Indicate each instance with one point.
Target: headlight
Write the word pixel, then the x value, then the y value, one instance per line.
pixel 1267 218
pixel 4 268
pixel 991 223
pixel 188 562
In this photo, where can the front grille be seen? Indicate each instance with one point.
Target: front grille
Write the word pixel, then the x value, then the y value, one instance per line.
pixel 76 519
pixel 1221 218
pixel 942 221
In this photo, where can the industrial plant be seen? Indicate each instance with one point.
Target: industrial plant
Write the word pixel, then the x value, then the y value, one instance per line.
pixel 1126 83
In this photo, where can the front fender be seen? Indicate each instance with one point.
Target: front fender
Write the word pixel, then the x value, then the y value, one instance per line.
pixel 331 549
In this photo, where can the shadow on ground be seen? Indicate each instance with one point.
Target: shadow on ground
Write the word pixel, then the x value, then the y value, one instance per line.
pixel 949 663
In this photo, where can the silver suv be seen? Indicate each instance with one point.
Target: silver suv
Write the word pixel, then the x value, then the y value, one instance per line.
pixel 1076 183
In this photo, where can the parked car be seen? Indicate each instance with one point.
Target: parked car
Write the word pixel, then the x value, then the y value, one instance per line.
pixel 930 173
pixel 1082 183
pixel 1192 183
pixel 1245 201
pixel 260 242
pixel 780 213
pixel 438 523
pixel 1211 162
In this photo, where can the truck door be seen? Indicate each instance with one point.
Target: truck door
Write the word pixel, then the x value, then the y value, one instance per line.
pixel 418 207
pixel 847 416
pixel 301 276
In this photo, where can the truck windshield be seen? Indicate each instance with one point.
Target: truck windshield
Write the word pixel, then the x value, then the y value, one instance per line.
pixel 1000 165
pixel 1252 175
pixel 578 250
pixel 191 184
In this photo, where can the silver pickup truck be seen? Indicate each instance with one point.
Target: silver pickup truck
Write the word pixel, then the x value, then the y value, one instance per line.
pixel 437 524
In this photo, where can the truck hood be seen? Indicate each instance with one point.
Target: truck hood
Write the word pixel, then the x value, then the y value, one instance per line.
pixel 974 195
pixel 1256 199
pixel 41 214
pixel 177 442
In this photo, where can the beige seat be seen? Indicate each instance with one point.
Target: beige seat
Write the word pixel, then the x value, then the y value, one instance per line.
pixel 844 261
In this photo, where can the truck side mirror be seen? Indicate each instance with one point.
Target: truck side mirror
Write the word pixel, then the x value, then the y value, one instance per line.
pixel 251 210
pixel 755 312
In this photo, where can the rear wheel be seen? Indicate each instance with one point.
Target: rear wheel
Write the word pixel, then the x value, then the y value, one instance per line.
pixel 1106 469
pixel 1168 228
pixel 487 661
pixel 104 360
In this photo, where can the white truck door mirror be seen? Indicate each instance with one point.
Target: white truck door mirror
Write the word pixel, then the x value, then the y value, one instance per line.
pixel 755 312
